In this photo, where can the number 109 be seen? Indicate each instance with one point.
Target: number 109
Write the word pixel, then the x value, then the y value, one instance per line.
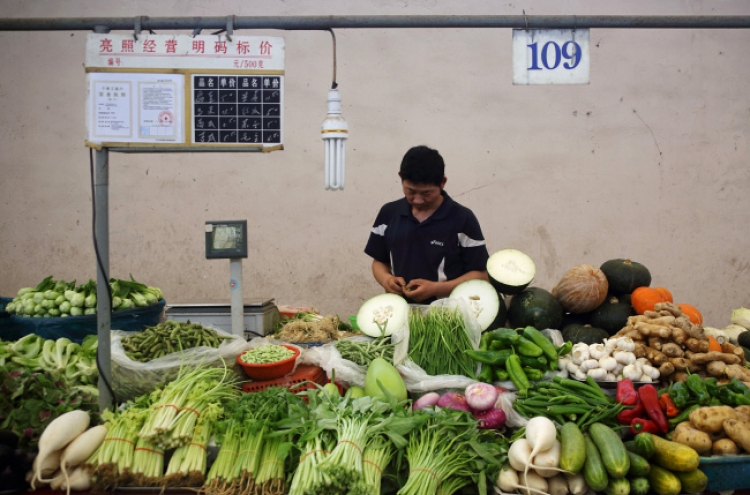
pixel 570 51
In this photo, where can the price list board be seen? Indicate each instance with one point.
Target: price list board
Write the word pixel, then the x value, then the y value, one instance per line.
pixel 232 109
pixel 180 92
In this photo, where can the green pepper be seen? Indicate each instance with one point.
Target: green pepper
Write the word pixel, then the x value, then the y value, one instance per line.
pixel 516 374
pixel 712 385
pixel 506 336
pixel 525 347
pixel 493 358
pixel 539 363
pixel 499 345
pixel 683 416
pixel 680 394
pixel 484 341
pixel 736 386
pixel 486 374
pixel 727 397
pixel 698 388
pixel 565 348
pixel 533 373
pixel 501 375
pixel 538 338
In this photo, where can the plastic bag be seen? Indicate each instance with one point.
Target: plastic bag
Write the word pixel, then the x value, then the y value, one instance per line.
pixel 131 379
pixel 328 357
pixel 512 418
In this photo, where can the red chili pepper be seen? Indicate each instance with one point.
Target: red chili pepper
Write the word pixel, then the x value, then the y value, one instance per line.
pixel 667 405
pixel 640 425
pixel 627 416
pixel 649 397
pixel 626 393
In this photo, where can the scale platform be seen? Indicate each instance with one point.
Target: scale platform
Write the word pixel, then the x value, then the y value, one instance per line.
pixel 261 315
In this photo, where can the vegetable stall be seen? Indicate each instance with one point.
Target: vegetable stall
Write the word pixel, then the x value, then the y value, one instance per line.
pixel 524 391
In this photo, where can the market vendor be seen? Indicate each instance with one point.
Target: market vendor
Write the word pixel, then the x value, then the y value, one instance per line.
pixel 425 244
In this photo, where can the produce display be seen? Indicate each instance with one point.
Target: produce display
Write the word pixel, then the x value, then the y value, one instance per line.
pixel 602 385
pixel 58 298
pixel 168 337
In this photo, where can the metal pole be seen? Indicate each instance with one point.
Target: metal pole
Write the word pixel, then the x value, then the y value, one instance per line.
pixel 103 303
pixel 145 23
pixel 235 285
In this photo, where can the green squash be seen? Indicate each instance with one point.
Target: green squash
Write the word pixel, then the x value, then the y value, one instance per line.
pixel 381 372
pixel 583 333
pixel 624 276
pixel 612 315
pixel 534 307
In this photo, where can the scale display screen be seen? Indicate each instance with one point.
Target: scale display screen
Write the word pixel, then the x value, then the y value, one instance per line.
pixel 226 239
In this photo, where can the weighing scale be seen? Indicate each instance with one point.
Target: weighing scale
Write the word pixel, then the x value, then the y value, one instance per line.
pixel 228 239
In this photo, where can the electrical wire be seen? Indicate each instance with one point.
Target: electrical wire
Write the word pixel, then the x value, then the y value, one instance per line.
pixel 334 84
pixel 100 266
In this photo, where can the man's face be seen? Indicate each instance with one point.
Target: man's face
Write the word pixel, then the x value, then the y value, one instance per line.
pixel 422 197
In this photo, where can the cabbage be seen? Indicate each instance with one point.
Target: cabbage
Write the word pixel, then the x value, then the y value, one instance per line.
pixel 741 317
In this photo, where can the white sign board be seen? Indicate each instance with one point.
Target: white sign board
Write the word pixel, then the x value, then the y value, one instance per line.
pixel 185 91
pixel 559 56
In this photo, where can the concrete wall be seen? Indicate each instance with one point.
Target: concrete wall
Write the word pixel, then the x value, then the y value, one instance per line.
pixel 648 162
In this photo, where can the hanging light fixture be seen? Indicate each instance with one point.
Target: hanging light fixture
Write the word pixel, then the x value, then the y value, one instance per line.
pixel 334 132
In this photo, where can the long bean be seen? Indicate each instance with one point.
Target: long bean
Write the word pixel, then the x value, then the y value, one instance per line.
pixel 437 341
pixel 363 353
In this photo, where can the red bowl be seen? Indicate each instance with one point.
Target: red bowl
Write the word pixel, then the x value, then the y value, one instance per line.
pixel 270 371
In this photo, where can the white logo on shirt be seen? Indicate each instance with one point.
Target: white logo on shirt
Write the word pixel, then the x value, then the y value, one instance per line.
pixel 438 243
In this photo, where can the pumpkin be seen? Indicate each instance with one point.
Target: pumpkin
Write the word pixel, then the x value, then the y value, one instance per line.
pixel 612 315
pixel 645 298
pixel 665 293
pixel 586 334
pixel 691 312
pixel 624 276
pixel 582 289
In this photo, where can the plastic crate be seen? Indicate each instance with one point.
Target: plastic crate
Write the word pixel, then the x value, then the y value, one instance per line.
pixel 302 379
pixel 726 472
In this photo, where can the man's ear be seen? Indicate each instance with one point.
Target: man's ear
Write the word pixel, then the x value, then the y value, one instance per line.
pixel 399 176
pixel 442 183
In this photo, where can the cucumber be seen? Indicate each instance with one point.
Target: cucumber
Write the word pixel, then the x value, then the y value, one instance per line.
pixel 639 466
pixel 663 482
pixel 594 471
pixel 613 453
pixel 644 445
pixel 639 486
pixel 619 486
pixel 693 481
pixel 573 452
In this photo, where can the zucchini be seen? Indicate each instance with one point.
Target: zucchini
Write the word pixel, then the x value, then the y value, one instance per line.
pixel 673 456
pixel 639 466
pixel 644 445
pixel 663 482
pixel 573 451
pixel 639 486
pixel 693 481
pixel 613 452
pixel 594 471
pixel 619 486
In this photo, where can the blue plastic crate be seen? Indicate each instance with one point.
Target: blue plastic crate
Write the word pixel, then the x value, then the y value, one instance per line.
pixel 729 472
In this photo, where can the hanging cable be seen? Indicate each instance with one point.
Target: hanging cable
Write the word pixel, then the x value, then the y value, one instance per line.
pixel 334 84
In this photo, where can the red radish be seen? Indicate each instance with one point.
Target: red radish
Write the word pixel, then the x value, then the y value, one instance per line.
pixel 427 400
pixel 480 396
pixel 58 434
pixel 453 400
pixel 490 420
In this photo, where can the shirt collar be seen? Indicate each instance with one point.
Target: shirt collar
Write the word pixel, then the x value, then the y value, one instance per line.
pixel 440 213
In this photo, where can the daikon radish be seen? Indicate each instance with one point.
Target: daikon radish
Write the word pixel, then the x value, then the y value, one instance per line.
pixel 57 480
pixel 541 434
pixel 547 463
pixel 532 483
pixel 519 454
pixel 557 485
pixel 59 433
pixel 507 482
pixel 576 483
pixel 81 448
pixel 51 464
pixel 79 480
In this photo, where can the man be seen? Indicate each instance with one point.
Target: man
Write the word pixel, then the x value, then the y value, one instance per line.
pixel 425 244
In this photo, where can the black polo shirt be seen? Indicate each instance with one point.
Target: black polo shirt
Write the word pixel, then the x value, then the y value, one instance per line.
pixel 445 246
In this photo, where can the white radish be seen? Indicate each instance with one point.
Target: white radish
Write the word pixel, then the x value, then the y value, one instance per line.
pixel 50 464
pixel 81 448
pixel 507 482
pixel 59 433
pixel 80 480
pixel 532 483
pixel 548 459
pixel 541 434
pixel 576 483
pixel 57 480
pixel 557 485
pixel 519 454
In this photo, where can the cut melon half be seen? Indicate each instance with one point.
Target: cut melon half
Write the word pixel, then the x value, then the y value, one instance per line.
pixel 382 315
pixel 510 271
pixel 483 301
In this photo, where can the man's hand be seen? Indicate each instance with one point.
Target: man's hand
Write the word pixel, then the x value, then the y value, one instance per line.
pixel 395 285
pixel 420 289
